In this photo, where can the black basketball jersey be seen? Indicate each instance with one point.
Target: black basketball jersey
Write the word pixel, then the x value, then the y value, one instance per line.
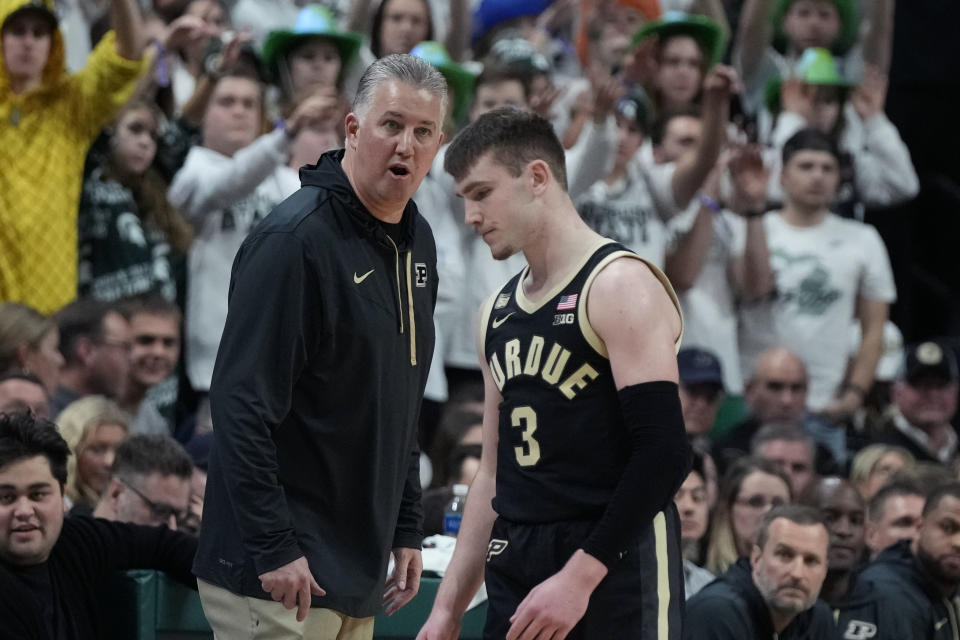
pixel 563 444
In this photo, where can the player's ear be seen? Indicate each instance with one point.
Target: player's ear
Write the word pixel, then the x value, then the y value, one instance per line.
pixel 540 176
pixel 351 126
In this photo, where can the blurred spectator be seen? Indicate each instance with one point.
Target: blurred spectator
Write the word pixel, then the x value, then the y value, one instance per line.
pixel 876 465
pixel 23 392
pixel 132 241
pixel 776 392
pixel 397 25
pixel 459 82
pixel 631 205
pixel 93 428
pixel 50 120
pixel 808 274
pixel 913 584
pixel 773 594
pixel 693 506
pixel 749 489
pixel 149 483
pixel 701 390
pixel 772 34
pixel 869 419
pixel 212 18
pixel 789 448
pixel 54 571
pixel 311 57
pixel 155 336
pixel 199 449
pixel 95 343
pixel 261 18
pixel 29 344
pixel 463 466
pixel 925 401
pixel 893 514
pixel 875 165
pixel 226 186
pixel 843 512
pixel 704 258
pixel 458 426
pixel 677 50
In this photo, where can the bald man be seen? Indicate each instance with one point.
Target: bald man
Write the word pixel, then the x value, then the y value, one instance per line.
pixel 844 513
pixel 775 393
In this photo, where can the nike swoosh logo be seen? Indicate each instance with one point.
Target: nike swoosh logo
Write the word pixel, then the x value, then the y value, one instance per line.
pixel 937 625
pixel 359 279
pixel 499 321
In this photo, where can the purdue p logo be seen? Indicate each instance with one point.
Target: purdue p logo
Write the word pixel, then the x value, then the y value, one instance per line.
pixel 859 630
pixel 495 548
pixel 420 270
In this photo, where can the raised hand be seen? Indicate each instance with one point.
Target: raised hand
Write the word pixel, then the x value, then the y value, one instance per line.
pixel 868 99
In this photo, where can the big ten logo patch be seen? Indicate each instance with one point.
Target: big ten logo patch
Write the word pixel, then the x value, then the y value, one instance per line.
pixel 859 630
pixel 420 271
pixel 562 318
pixel 496 547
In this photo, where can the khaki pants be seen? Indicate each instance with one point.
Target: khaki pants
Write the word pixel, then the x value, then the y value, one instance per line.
pixel 234 617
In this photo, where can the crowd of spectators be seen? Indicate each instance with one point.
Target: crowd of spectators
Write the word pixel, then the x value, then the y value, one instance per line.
pixel 741 146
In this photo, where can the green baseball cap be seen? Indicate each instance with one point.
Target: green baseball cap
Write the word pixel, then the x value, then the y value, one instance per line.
pixel 708 34
pixel 815 66
pixel 848 24
pixel 313 20
pixel 459 79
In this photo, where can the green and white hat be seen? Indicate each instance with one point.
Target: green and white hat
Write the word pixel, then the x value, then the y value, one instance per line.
pixel 708 34
pixel 815 66
pixel 313 20
pixel 459 79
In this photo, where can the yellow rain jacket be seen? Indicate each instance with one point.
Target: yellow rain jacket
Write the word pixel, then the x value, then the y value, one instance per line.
pixel 44 137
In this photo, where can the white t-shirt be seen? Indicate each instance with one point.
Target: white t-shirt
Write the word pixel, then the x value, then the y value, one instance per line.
pixel 709 306
pixel 634 210
pixel 819 272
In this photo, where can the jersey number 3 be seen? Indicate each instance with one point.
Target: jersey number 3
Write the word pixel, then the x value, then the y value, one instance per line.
pixel 526 419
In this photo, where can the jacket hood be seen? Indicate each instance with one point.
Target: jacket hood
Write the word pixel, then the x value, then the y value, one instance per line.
pixel 56 67
pixel 899 559
pixel 328 174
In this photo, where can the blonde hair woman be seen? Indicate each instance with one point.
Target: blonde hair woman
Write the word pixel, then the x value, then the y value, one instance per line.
pixel 29 343
pixel 750 488
pixel 93 427
pixel 875 466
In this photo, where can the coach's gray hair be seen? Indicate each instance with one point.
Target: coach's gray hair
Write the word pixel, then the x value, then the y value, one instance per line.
pixel 401 67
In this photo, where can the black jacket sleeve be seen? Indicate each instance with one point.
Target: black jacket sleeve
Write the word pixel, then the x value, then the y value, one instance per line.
pixel 266 343
pixel 409 531
pixel 707 617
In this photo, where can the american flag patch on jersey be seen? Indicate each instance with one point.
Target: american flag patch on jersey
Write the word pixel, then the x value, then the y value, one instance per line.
pixel 567 302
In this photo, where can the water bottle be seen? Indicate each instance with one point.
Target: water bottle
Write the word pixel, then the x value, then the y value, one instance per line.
pixel 453 513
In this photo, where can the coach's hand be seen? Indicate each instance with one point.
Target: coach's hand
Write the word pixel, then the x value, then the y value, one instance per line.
pixel 404 582
pixel 556 605
pixel 441 625
pixel 292 584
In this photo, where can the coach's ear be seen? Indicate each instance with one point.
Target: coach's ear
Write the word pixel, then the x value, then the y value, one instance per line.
pixel 540 176
pixel 351 126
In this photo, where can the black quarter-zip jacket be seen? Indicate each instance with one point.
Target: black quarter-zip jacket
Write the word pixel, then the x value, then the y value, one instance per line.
pixel 316 395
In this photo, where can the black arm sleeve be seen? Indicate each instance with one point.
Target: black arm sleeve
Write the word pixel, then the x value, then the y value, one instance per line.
pixel 660 458
pixel 409 531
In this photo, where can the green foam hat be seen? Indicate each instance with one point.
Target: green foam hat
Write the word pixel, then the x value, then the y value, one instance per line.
pixel 459 79
pixel 848 24
pixel 708 34
pixel 312 21
pixel 815 66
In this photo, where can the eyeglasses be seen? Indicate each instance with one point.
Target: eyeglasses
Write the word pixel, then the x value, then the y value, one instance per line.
pixel 759 502
pixel 158 511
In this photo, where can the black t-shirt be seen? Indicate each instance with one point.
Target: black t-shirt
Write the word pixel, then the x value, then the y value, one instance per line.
pixel 36 579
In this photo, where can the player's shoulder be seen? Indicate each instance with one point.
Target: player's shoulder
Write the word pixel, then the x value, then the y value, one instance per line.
pixel 627 273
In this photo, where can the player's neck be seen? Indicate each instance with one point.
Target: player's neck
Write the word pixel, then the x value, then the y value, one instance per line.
pixel 557 249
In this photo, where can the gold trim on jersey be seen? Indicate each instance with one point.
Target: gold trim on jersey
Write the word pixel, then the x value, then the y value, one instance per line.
pixel 485 310
pixel 529 306
pixel 583 319
pixel 663 576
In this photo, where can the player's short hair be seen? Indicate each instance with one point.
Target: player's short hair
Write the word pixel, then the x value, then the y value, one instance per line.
pixel 935 497
pixel 514 137
pixel 796 513
pixel 142 454
pixel 809 140
pixel 878 503
pixel 23 435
